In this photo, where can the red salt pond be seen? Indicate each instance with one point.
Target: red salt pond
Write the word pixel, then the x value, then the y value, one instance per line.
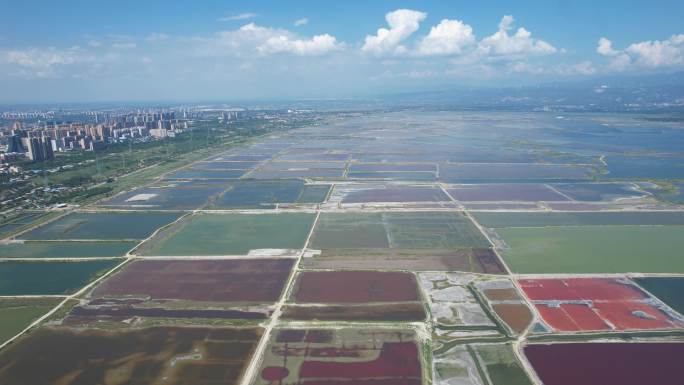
pixel 355 287
pixel 608 363
pixel 594 304
pixel 274 373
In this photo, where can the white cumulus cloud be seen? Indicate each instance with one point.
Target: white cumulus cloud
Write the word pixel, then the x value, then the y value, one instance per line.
pixel 317 45
pixel 651 54
pixel 446 38
pixel 520 43
pixel 656 53
pixel 253 39
pixel 402 24
pixel 605 47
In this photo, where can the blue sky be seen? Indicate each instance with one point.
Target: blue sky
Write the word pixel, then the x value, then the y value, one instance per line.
pixel 210 50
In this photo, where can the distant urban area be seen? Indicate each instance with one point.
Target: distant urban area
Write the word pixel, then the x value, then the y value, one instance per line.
pixel 50 156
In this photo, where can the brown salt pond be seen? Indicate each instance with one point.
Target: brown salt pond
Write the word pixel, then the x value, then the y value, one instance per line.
pixel 168 355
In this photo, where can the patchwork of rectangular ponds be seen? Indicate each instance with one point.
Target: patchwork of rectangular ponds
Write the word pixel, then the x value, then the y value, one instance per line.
pixel 394 164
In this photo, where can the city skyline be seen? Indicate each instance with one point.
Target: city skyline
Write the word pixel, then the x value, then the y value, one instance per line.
pixel 73 52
